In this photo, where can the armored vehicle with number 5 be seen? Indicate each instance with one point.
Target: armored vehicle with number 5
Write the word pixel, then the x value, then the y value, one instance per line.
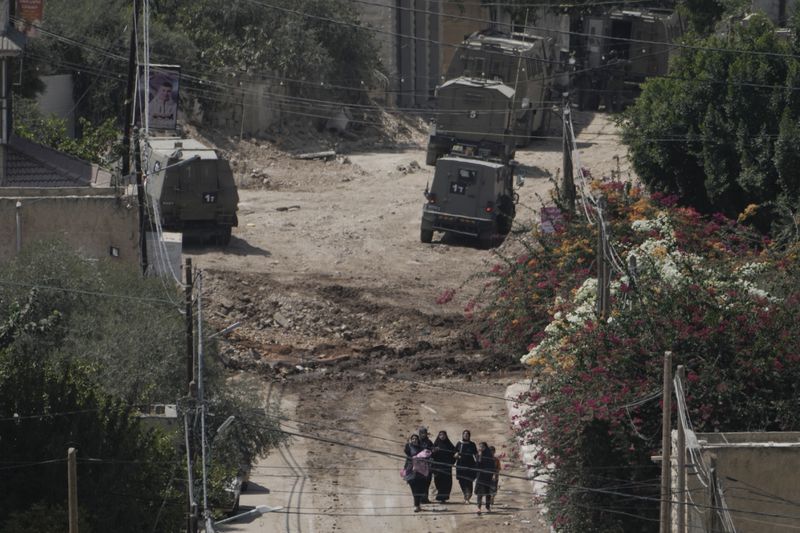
pixel 190 189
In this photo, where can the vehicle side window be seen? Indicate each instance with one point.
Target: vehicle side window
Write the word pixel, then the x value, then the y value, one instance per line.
pixel 467 175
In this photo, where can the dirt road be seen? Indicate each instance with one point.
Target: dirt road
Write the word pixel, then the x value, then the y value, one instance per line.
pixel 337 300
pixel 331 487
pixel 327 261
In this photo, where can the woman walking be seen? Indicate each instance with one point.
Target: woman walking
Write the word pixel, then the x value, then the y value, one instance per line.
pixel 442 461
pixel 466 452
pixel 498 467
pixel 415 471
pixel 487 469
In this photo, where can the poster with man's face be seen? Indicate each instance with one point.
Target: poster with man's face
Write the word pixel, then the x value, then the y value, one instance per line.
pixel 162 96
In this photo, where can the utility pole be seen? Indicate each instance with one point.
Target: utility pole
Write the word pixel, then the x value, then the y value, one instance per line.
pixel 140 194
pixel 712 513
pixel 191 526
pixel 681 377
pixel 72 489
pixel 130 90
pixel 130 118
pixel 189 288
pixel 603 272
pixel 666 445
pixel 567 181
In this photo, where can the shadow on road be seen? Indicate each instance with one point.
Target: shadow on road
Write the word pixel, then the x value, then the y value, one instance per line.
pixel 237 246
pixel 255 488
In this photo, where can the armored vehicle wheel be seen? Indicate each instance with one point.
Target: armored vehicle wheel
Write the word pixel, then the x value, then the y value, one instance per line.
pixel 426 235
pixel 505 216
pixel 224 237
pixel 486 237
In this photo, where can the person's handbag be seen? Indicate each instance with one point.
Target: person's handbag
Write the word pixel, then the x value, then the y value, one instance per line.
pixel 407 474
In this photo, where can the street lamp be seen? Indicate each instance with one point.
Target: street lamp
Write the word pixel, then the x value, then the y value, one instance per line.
pixel 228 421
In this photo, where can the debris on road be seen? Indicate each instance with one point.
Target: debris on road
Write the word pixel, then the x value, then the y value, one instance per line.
pixel 326 155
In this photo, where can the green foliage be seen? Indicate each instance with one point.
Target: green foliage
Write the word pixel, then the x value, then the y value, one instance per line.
pixel 97 336
pixel 124 472
pixel 330 46
pixel 209 40
pixel 99 80
pixel 41 517
pixel 97 144
pixel 721 130
pixel 719 297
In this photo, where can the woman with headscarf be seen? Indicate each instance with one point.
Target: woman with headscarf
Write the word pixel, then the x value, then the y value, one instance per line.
pixel 442 461
pixel 484 482
pixel 466 452
pixel 498 467
pixel 415 472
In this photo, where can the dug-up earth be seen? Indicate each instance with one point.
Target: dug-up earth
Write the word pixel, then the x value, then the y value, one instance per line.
pixel 337 303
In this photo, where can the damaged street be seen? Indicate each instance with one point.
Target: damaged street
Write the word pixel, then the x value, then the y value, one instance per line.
pixel 356 331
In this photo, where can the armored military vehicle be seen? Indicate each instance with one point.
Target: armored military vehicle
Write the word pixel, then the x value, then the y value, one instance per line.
pixel 470 196
pixel 191 188
pixel 618 50
pixel 495 96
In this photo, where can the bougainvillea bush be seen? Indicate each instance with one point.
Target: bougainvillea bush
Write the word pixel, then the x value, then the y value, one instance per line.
pixel 723 300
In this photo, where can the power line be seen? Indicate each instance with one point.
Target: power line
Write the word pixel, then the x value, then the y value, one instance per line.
pixel 539 28
pixel 541 480
pixel 85 292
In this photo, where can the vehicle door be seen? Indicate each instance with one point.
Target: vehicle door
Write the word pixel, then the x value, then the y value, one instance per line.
pixel 199 189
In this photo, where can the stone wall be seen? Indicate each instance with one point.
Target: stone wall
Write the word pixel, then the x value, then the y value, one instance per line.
pixel 96 221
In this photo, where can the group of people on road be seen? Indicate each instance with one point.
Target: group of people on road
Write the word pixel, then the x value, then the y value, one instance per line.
pixel 477 468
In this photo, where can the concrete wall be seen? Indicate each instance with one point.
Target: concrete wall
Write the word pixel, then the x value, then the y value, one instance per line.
pixel 252 110
pixel 92 220
pixel 381 15
pixel 454 28
pixel 778 11
pixel 758 473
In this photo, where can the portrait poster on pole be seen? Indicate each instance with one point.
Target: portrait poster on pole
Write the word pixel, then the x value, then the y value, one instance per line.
pixel 31 14
pixel 162 91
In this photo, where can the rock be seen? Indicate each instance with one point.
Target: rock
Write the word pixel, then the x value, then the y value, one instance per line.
pixel 281 320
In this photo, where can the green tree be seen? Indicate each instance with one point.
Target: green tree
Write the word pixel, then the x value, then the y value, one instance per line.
pixel 97 144
pixel 719 131
pixel 111 340
pixel 126 474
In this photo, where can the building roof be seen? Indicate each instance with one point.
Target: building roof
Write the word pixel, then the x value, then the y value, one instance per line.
pixel 12 42
pixel 29 164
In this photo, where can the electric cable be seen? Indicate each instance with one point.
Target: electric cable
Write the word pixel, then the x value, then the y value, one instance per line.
pixel 545 481
pixel 86 292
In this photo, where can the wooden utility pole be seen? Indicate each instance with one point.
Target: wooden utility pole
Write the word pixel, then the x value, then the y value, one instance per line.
pixel 681 377
pixel 666 445
pixel 140 194
pixel 189 288
pixel 130 119
pixel 712 515
pixel 191 525
pixel 603 271
pixel 130 95
pixel 567 181
pixel 72 489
